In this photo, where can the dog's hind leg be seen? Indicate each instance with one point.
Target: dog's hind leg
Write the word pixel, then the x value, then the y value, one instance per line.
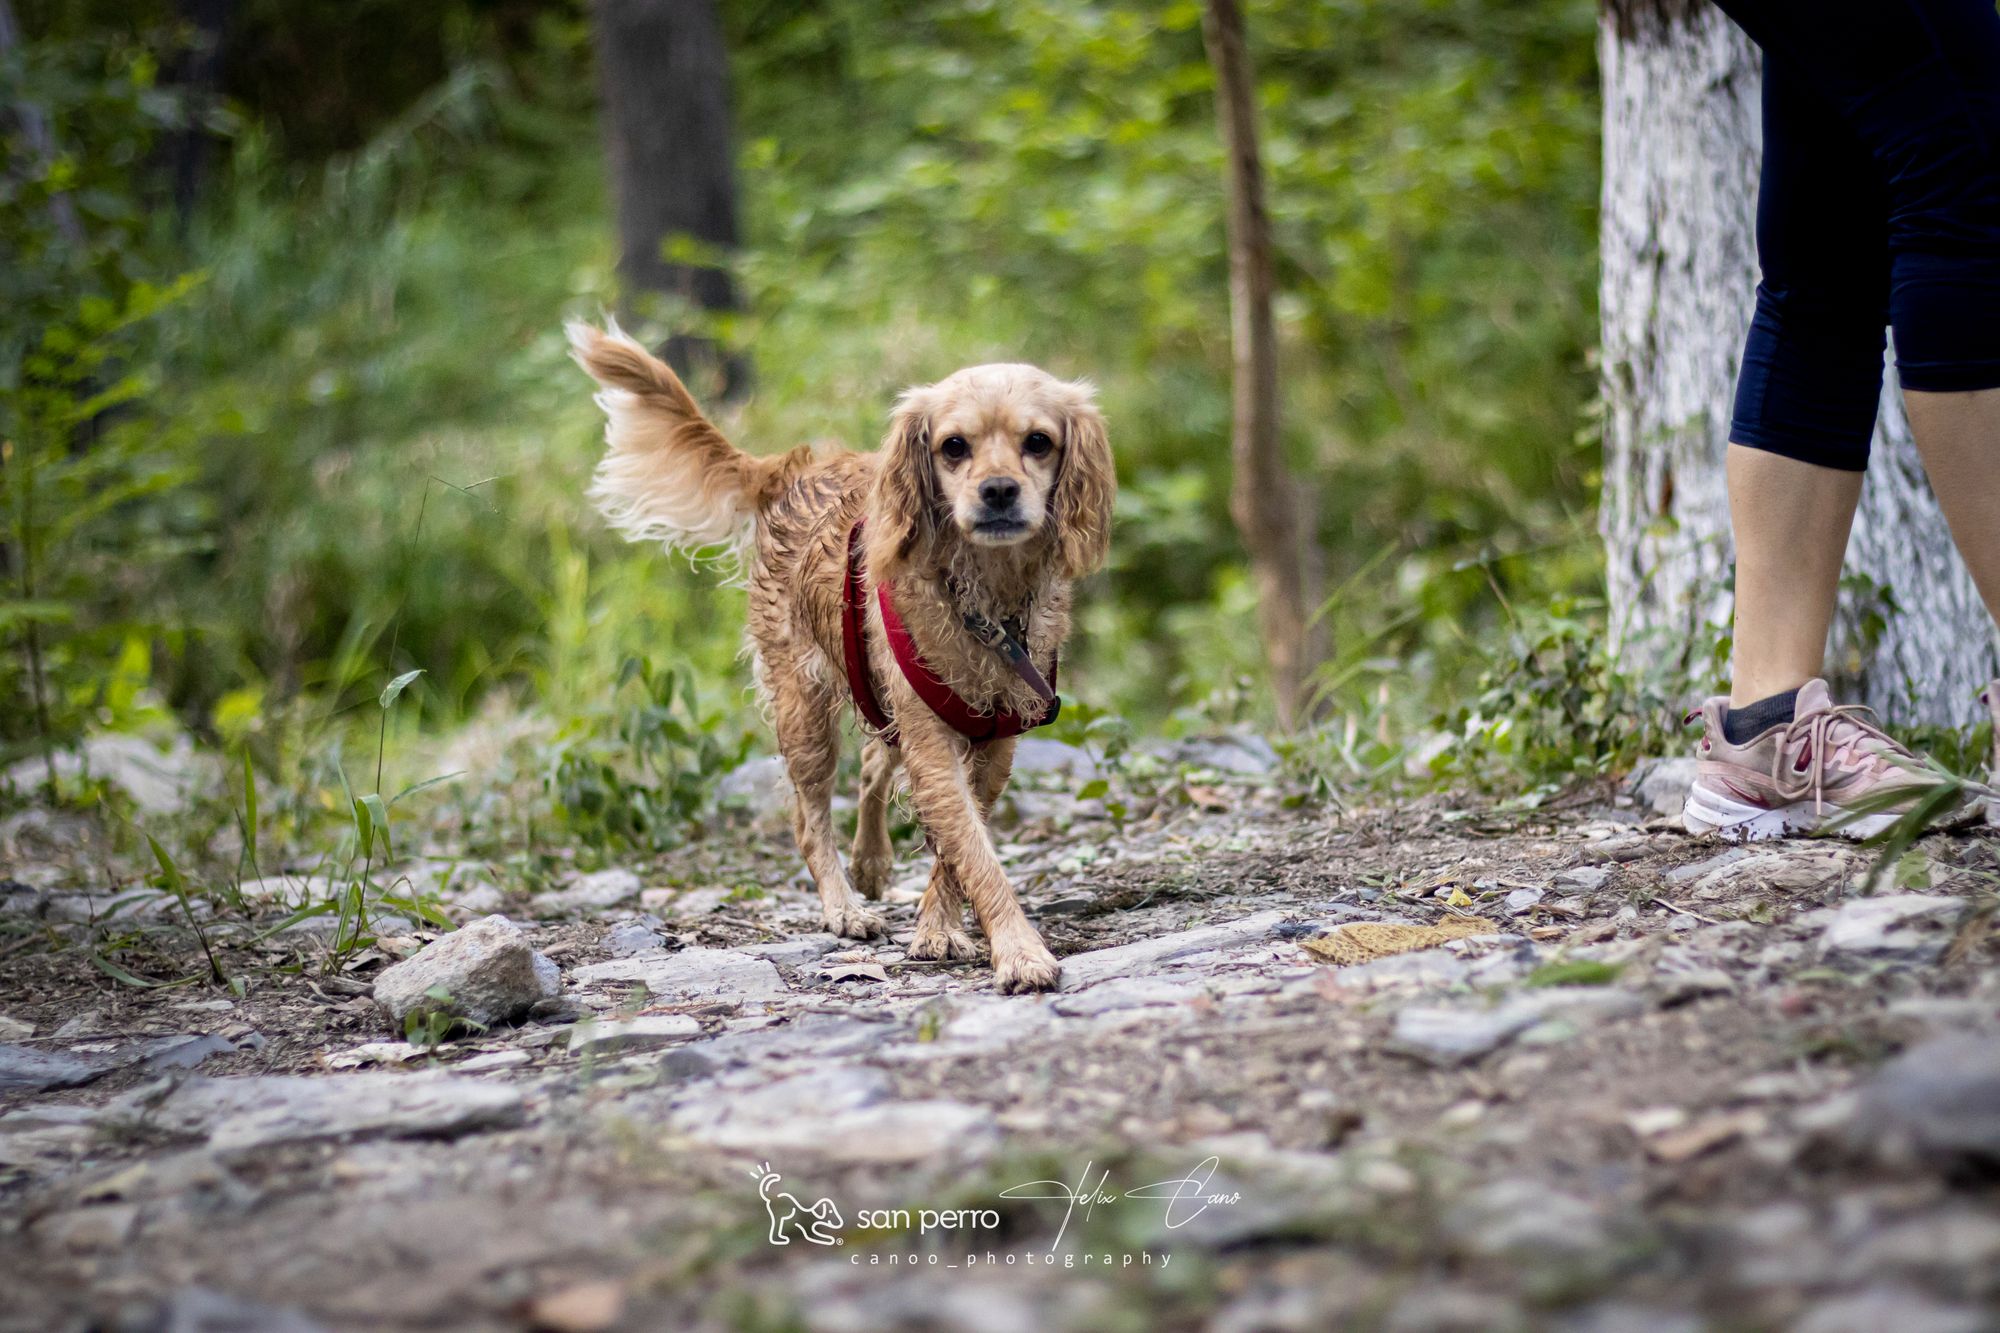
pixel 941 914
pixel 873 857
pixel 809 738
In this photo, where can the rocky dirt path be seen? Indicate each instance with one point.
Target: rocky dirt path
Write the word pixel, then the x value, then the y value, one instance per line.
pixel 1675 1087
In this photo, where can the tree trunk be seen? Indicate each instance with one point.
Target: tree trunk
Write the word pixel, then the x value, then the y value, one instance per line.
pixel 1263 498
pixel 1682 142
pixel 197 78
pixel 664 73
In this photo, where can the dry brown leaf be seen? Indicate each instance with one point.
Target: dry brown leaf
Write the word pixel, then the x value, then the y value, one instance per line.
pixel 1365 941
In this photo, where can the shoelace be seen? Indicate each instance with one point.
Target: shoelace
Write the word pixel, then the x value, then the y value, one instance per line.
pixel 1817 729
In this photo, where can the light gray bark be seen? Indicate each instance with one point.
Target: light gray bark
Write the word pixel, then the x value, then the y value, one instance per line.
pixel 1682 142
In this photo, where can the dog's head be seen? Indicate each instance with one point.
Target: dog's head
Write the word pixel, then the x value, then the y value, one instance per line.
pixel 1002 456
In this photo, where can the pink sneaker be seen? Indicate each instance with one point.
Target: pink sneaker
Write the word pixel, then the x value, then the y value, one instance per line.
pixel 1800 776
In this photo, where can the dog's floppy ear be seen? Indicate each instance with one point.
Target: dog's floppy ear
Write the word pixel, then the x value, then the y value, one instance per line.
pixel 1081 505
pixel 903 509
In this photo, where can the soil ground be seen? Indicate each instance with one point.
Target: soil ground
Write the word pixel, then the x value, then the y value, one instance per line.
pixel 1661 1094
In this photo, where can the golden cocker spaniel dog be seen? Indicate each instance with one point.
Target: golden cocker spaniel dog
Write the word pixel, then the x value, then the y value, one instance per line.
pixel 991 492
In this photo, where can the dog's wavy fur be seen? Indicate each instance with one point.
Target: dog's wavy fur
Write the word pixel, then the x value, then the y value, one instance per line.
pixel 669 475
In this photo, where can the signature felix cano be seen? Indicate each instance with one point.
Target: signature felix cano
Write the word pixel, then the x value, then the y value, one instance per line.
pixel 1186 1197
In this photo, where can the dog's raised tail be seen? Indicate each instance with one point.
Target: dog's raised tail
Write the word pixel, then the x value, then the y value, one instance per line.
pixel 668 475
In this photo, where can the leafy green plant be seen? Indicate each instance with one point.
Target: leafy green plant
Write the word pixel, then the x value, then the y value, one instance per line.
pixel 434 1024
pixel 637 772
pixel 1574 972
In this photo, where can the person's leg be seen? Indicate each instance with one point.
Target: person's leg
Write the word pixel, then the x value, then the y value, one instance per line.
pixel 1917 83
pixel 1806 396
pixel 1790 521
pixel 1958 435
pixel 1941 129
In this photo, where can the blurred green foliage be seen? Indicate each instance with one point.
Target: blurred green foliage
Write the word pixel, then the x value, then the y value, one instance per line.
pixel 354 446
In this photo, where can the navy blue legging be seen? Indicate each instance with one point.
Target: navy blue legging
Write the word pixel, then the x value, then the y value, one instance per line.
pixel 1879 205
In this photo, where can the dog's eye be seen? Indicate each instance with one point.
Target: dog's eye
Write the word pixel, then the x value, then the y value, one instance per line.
pixel 1037 443
pixel 955 448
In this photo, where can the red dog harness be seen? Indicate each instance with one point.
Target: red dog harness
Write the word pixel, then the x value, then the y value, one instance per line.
pixel 969 722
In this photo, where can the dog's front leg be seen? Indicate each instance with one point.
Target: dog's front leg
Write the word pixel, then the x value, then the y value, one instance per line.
pixel 941 914
pixel 945 801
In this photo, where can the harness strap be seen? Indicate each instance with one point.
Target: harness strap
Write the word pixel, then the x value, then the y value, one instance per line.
pixel 975 725
pixel 854 642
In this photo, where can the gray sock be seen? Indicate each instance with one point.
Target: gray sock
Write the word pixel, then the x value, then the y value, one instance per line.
pixel 1753 720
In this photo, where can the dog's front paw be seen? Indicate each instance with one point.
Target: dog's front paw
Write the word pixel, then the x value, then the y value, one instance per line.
pixel 852 921
pixel 1021 968
pixel 942 943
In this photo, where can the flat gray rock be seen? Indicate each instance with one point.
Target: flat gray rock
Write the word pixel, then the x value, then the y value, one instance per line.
pixel 837 1113
pixel 485 966
pixel 692 975
pixel 1087 969
pixel 1588 879
pixel 644 1033
pixel 759 788
pixel 26 1069
pixel 1899 927
pixel 1241 753
pixel 1883 1309
pixel 239 1114
pixel 1038 755
pixel 795 952
pixel 1125 993
pixel 35 1132
pixel 203 1310
pixel 1422 969
pixel 632 937
pixel 32 1069
pixel 1937 1103
pixel 978 1024
pixel 1454 1036
pixel 1661 785
pixel 1523 1218
pixel 160 782
pixel 602 888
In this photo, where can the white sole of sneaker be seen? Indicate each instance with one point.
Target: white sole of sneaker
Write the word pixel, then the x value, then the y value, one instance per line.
pixel 1733 821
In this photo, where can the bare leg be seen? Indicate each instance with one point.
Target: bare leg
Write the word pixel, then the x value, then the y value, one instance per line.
pixel 1958 435
pixel 873 856
pixel 941 914
pixel 809 738
pixel 945 802
pixel 1791 521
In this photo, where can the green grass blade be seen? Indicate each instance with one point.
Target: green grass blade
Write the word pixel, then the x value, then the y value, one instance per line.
pixel 398 685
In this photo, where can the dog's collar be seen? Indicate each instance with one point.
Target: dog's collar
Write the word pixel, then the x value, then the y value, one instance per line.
pixel 973 724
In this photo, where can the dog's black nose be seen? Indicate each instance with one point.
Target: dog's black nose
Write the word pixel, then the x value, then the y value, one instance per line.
pixel 999 492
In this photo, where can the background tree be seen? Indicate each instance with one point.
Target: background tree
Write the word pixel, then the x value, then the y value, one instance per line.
pixel 663 68
pixel 1264 496
pixel 1682 143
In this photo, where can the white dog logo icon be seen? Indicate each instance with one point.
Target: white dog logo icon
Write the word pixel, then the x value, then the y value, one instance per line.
pixel 816 1224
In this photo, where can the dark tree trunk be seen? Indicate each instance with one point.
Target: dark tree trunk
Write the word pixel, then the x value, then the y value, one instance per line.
pixel 664 73
pixel 197 77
